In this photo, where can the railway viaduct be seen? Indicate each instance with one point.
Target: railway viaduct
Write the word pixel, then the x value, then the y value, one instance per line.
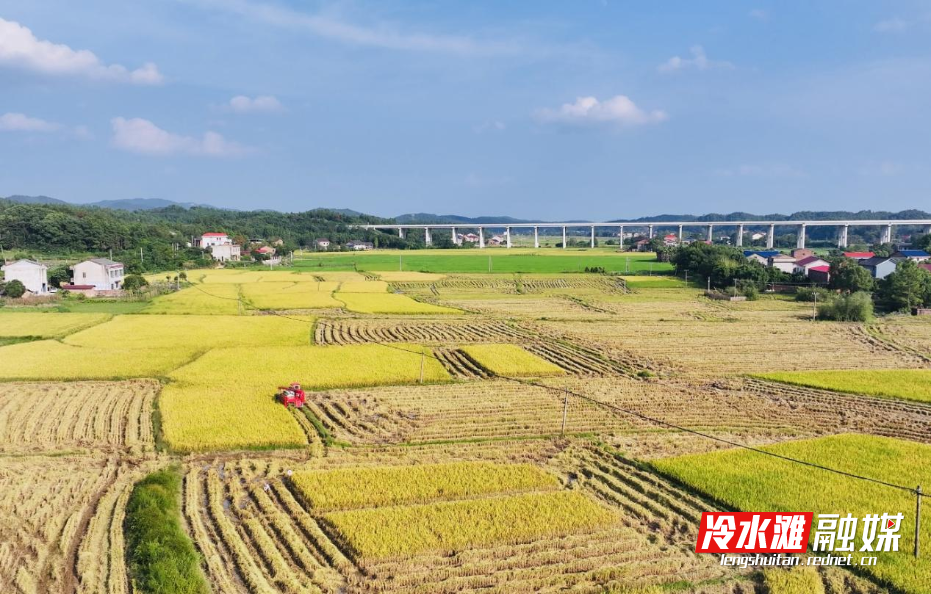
pixel 843 227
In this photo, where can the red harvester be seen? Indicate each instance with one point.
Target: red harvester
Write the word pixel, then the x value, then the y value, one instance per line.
pixel 291 395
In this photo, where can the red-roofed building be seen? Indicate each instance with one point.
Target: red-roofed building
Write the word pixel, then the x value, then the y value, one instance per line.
pixel 806 264
pixel 820 274
pixel 859 255
pixel 671 239
pixel 925 266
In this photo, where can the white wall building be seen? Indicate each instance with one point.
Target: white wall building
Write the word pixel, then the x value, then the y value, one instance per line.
pixel 225 252
pixel 33 275
pixel 208 240
pixel 103 274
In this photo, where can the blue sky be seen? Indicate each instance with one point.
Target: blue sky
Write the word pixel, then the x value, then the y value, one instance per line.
pixel 590 109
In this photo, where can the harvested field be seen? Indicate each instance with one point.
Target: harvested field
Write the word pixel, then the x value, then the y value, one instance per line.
pixel 430 332
pixel 909 334
pixel 514 284
pixel 61 523
pixel 711 348
pixel 106 415
pixel 460 365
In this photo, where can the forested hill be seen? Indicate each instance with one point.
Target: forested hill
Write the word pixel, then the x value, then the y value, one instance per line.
pixel 59 229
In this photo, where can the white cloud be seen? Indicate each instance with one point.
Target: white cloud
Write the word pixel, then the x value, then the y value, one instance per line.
pixel 893 25
pixel 490 126
pixel 618 110
pixel 762 170
pixel 262 103
pixel 141 136
pixel 19 122
pixel 382 35
pixel 759 14
pixel 19 48
pixel 699 61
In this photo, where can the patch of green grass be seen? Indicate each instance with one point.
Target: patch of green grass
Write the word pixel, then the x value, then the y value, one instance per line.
pixel 907 384
pixel 161 557
pixel 750 481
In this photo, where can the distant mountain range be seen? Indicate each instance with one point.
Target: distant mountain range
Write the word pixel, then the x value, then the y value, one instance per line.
pixel 125 204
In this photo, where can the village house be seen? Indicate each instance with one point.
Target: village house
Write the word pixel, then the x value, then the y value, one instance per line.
pixel 469 238
pixel 33 275
pixel 820 274
pixel 757 236
pixel 859 255
pixel 102 274
pixel 671 239
pixel 360 245
pixel 782 262
pixel 225 252
pixel 323 243
pixel 914 255
pixel 804 265
pixel 207 240
pixel 762 256
pixel 496 240
pixel 265 250
pixel 801 253
pixel 880 267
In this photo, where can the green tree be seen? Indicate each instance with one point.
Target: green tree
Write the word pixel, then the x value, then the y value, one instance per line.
pixel 923 242
pixel 134 282
pixel 909 286
pixel 850 307
pixel 14 289
pixel 848 275
pixel 59 276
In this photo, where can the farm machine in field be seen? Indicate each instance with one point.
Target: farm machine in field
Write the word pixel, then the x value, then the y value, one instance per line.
pixel 291 395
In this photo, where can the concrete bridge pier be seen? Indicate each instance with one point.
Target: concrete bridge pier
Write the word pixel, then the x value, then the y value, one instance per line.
pixel 455 237
pixel 740 235
pixel 680 235
pixel 536 237
pixel 650 232
pixel 593 236
pixel 887 234
pixel 427 238
pixel 481 237
pixel 927 229
pixel 563 238
pixel 507 232
pixel 800 241
pixel 401 232
pixel 620 238
pixel 710 233
pixel 842 238
pixel 771 237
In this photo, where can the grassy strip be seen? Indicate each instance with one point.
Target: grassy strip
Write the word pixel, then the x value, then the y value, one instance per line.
pixel 322 431
pixel 161 556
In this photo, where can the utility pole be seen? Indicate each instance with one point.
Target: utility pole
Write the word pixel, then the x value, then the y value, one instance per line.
pixel 709 284
pixel 423 355
pixel 141 257
pixel 917 517
pixel 565 411
pixel 814 306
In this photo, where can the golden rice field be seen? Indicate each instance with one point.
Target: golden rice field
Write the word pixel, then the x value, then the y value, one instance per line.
pixel 286 295
pixel 452 525
pixel 212 405
pixel 52 360
pixel 510 360
pixel 215 299
pixel 46 325
pixel 909 384
pixel 394 485
pixel 749 481
pixel 390 303
pixel 363 287
pixel 198 331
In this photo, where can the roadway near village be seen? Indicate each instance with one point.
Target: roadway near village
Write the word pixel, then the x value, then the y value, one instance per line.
pixel 453 432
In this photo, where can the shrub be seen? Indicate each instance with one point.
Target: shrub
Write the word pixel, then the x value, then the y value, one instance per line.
pixel 851 307
pixel 812 294
pixel 161 556
pixel 14 289
pixel 134 282
pixel 751 292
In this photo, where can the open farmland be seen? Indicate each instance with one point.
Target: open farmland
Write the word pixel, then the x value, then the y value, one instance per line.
pixel 745 480
pixel 417 464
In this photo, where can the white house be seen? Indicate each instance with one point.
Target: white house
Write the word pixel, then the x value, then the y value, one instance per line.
pixel 360 245
pixel 103 274
pixel 783 263
pixel 208 240
pixel 323 243
pixel 225 252
pixel 33 275
pixel 804 265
